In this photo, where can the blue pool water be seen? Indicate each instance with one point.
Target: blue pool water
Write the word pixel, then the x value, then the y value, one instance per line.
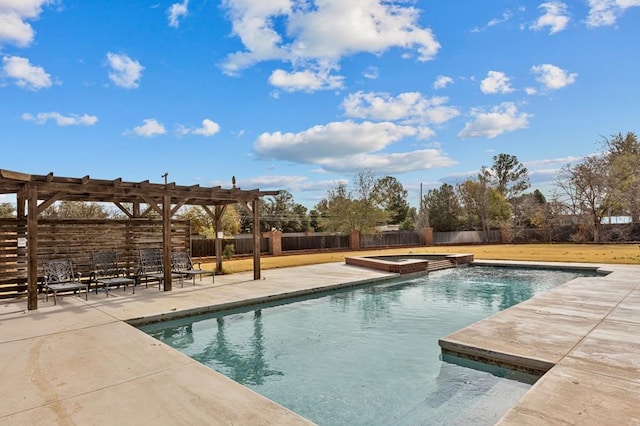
pixel 369 355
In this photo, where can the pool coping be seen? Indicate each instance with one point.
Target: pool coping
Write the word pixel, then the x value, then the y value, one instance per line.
pixel 78 390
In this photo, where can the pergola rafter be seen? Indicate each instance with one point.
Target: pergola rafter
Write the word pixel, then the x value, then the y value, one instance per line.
pixel 35 193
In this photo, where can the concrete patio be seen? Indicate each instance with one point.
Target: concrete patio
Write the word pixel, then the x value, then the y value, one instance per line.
pixel 82 363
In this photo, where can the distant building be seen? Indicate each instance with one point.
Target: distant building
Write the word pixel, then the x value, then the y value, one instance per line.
pixel 616 220
pixel 387 228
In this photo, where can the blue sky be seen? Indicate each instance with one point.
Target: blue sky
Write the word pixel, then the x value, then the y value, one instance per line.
pixel 299 94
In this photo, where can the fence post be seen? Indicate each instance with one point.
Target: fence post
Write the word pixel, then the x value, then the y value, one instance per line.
pixel 354 240
pixel 428 236
pixel 275 242
pixel 505 237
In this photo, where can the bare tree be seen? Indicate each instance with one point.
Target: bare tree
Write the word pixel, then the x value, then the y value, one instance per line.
pixel 590 191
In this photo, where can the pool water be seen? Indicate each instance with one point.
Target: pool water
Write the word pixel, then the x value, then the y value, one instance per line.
pixel 369 356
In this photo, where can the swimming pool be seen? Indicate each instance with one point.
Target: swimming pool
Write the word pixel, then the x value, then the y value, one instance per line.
pixel 368 355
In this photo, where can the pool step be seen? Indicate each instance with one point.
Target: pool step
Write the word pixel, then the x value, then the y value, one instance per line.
pixel 436 265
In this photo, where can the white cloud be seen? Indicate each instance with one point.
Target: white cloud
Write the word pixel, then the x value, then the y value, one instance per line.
pixel 501 119
pixel 348 146
pixel 333 140
pixel 208 128
pixel 553 77
pixel 408 107
pixel 150 127
pixel 371 73
pixel 555 17
pixel 442 81
pixel 495 82
pixel 322 32
pixel 177 11
pixel 290 183
pixel 25 74
pixel 606 12
pixel 390 163
pixel 505 17
pixel 551 161
pixel 530 90
pixel 125 72
pixel 307 80
pixel 13 16
pixel 61 120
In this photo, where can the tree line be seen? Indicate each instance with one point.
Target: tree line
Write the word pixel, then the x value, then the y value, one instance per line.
pixel 602 185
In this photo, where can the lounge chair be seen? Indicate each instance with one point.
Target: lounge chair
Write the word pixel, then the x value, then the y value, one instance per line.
pixel 106 272
pixel 182 264
pixel 59 276
pixel 152 266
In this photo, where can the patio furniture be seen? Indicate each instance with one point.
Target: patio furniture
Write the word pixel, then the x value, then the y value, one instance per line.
pixel 107 273
pixel 59 276
pixel 182 264
pixel 152 266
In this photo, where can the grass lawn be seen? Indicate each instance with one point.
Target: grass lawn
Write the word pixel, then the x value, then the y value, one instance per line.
pixel 586 253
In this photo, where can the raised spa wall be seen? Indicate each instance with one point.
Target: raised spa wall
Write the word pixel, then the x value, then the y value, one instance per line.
pixel 410 263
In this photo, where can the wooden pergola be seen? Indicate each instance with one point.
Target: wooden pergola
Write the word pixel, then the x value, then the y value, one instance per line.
pixel 34 193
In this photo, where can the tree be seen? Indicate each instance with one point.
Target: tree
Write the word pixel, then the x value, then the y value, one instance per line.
pixel 200 221
pixel 443 208
pixel 590 190
pixel 623 158
pixel 230 221
pixel 314 220
pixel 356 208
pixel 281 213
pixel 7 210
pixel 483 203
pixel 532 209
pixel 77 210
pixel 409 223
pixel 335 209
pixel 511 179
pixel 510 176
pixel 392 197
pixel 203 224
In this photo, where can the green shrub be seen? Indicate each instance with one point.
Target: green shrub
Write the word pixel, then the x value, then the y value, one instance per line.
pixel 229 251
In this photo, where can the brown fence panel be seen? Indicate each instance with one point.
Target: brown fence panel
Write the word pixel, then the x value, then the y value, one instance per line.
pixel 392 239
pixel 465 237
pixel 13 260
pixel 242 245
pixel 320 241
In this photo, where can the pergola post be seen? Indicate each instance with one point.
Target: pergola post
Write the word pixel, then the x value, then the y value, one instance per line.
pixel 166 241
pixel 256 238
pixel 218 240
pixel 32 247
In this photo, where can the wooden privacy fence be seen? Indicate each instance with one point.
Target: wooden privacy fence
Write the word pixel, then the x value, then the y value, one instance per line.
pixel 316 241
pixel 242 245
pixel 77 239
pixel 466 237
pixel 13 260
pixel 392 239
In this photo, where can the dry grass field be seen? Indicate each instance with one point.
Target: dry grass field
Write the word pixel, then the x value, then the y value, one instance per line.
pixel 586 253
